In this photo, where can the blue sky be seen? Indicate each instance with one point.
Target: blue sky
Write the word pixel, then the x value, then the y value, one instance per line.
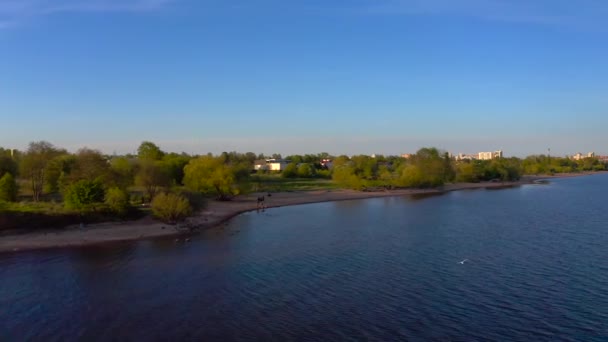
pixel 287 76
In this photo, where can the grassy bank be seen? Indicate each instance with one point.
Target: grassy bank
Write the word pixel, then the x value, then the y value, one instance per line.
pixel 42 215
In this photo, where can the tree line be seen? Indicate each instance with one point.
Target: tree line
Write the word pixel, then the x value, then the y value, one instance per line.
pixel 88 180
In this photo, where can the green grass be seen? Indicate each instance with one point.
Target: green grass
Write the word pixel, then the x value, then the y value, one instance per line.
pixel 49 208
pixel 276 183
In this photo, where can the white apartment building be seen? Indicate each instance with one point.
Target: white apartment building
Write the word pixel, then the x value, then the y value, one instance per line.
pixel 580 156
pixel 489 155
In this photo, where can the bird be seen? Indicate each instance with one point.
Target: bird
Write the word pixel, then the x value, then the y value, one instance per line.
pixel 462 262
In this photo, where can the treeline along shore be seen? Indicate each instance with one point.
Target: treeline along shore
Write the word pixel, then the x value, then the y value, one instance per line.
pixel 50 197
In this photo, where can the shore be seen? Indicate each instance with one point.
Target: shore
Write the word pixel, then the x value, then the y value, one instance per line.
pixel 214 215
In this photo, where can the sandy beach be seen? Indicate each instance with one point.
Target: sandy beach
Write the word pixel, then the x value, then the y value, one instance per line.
pixel 213 215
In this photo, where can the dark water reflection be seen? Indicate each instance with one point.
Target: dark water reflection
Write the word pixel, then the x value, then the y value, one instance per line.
pixel 379 269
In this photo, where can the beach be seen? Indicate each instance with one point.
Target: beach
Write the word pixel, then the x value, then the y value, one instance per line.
pixel 215 213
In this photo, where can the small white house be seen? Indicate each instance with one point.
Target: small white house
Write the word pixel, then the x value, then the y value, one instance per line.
pixel 271 164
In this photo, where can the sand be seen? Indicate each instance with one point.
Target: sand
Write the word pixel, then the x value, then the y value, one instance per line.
pixel 213 215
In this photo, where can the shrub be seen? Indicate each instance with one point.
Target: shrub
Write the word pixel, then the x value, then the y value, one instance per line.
pixel 8 188
pixel 306 171
pixel 291 171
pixel 117 201
pixel 83 195
pixel 170 207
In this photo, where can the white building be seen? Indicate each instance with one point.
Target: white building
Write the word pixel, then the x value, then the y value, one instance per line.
pixel 580 156
pixel 462 156
pixel 271 164
pixel 489 155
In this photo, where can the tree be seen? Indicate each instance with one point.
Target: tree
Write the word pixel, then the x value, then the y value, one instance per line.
pixel 34 164
pixel 291 171
pixel 8 188
pixel 469 171
pixel 152 176
pixel 7 165
pixel 174 164
pixel 170 207
pixel 344 175
pixel 210 174
pixel 427 168
pixel 122 171
pixel 305 170
pixel 117 201
pixel 57 171
pixel 365 167
pixel 90 165
pixel 412 176
pixel 149 151
pixel 83 195
pixel 386 176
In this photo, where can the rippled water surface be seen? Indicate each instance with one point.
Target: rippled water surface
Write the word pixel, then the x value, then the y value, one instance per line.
pixel 379 269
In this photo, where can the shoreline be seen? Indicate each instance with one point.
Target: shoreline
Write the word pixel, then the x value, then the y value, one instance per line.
pixel 217 213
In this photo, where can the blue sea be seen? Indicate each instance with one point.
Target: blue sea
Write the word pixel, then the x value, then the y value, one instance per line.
pixel 522 264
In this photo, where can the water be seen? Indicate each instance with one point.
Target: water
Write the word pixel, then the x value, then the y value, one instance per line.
pixel 379 269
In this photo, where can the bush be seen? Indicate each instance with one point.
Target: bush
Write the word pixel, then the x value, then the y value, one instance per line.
pixel 305 171
pixel 83 195
pixel 291 171
pixel 170 207
pixel 117 201
pixel 8 188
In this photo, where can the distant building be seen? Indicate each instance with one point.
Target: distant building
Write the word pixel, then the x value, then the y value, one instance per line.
pixel 489 155
pixel 406 155
pixel 462 156
pixel 327 163
pixel 479 156
pixel 270 164
pixel 580 156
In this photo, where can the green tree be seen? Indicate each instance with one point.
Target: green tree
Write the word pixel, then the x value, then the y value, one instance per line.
pixel 90 165
pixel 149 151
pixel 174 164
pixel 117 201
pixel 469 171
pixel 305 170
pixel 344 175
pixel 34 164
pixel 84 195
pixel 427 168
pixel 412 176
pixel 365 167
pixel 8 164
pixel 153 176
pixel 170 207
pixel 385 176
pixel 8 188
pixel 210 174
pixel 291 171
pixel 57 171
pixel 122 171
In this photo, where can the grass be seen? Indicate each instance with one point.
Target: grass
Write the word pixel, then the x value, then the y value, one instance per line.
pixel 52 204
pixel 276 183
pixel 49 208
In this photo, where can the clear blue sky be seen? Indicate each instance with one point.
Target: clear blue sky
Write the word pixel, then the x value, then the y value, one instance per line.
pixel 288 76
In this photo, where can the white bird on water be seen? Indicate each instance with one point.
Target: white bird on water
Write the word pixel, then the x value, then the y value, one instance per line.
pixel 463 261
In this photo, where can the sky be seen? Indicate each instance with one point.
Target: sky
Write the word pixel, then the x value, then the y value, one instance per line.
pixel 308 76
